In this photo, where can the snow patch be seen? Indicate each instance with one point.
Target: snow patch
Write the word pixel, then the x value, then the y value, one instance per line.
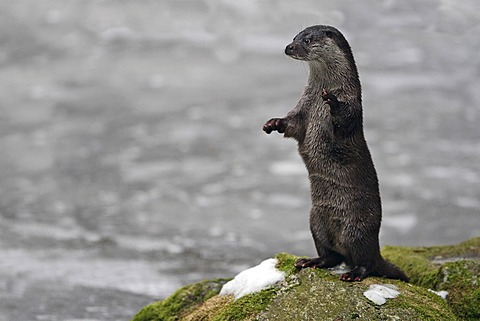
pixel 379 294
pixel 254 279
pixel 442 294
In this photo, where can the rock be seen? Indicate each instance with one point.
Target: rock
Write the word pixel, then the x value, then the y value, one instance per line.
pixel 181 302
pixel 318 294
pixel 452 268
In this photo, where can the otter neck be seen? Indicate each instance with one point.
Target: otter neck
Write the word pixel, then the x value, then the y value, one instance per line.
pixel 339 78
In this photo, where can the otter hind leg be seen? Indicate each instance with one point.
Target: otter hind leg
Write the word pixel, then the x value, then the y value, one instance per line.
pixel 382 269
pixel 325 261
pixel 357 274
pixel 361 257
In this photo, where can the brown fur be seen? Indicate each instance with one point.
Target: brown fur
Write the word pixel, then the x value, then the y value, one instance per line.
pixel 328 125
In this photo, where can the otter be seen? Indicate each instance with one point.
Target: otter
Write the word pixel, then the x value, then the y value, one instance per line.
pixel 327 123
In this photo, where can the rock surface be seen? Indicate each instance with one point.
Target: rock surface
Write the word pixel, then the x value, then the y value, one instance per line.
pixel 318 294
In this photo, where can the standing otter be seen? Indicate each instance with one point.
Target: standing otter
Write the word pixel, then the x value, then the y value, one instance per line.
pixel 327 123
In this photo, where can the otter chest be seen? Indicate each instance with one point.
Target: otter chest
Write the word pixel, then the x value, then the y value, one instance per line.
pixel 318 136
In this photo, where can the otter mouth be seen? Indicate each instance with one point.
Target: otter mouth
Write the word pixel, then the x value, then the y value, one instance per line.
pixel 300 58
pixel 296 57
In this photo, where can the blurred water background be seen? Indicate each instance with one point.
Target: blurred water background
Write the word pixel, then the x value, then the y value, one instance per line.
pixel 133 160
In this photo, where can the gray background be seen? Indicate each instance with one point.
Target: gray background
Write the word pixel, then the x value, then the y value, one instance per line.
pixel 133 160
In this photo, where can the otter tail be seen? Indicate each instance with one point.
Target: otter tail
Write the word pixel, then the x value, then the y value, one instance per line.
pixel 388 270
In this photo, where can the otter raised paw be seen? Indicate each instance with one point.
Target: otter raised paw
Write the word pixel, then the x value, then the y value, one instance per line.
pixel 278 124
pixel 330 99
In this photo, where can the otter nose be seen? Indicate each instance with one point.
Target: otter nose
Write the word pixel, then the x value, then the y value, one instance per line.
pixel 289 49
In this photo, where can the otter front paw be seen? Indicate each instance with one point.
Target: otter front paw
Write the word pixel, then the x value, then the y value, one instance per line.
pixel 278 124
pixel 303 263
pixel 330 99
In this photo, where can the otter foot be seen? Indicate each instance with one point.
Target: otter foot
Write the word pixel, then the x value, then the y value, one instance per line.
pixel 357 274
pixel 278 124
pixel 330 99
pixel 309 263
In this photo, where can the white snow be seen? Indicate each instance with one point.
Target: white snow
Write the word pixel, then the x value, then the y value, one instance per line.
pixel 442 294
pixel 379 294
pixel 254 279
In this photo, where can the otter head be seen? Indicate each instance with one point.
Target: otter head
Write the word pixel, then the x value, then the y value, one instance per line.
pixel 329 56
pixel 323 44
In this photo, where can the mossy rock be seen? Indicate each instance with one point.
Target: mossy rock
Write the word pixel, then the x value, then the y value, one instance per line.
pixel 181 302
pixel 452 268
pixel 317 294
pixel 326 298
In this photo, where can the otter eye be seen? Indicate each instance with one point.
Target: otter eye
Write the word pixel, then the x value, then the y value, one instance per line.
pixel 307 41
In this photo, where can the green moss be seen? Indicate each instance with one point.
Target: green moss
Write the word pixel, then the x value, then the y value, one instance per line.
pixel 415 264
pixel 429 267
pixel 286 263
pixel 422 264
pixel 180 302
pixel 461 280
pixel 247 306
pixel 328 298
pixel 209 309
pixel 416 298
pixel 151 312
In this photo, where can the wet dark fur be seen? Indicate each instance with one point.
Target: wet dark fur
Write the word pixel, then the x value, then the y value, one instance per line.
pixel 327 123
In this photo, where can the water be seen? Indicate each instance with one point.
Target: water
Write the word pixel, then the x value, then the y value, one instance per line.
pixel 133 160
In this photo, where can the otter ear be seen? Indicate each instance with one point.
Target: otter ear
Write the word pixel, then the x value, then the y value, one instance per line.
pixel 329 34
